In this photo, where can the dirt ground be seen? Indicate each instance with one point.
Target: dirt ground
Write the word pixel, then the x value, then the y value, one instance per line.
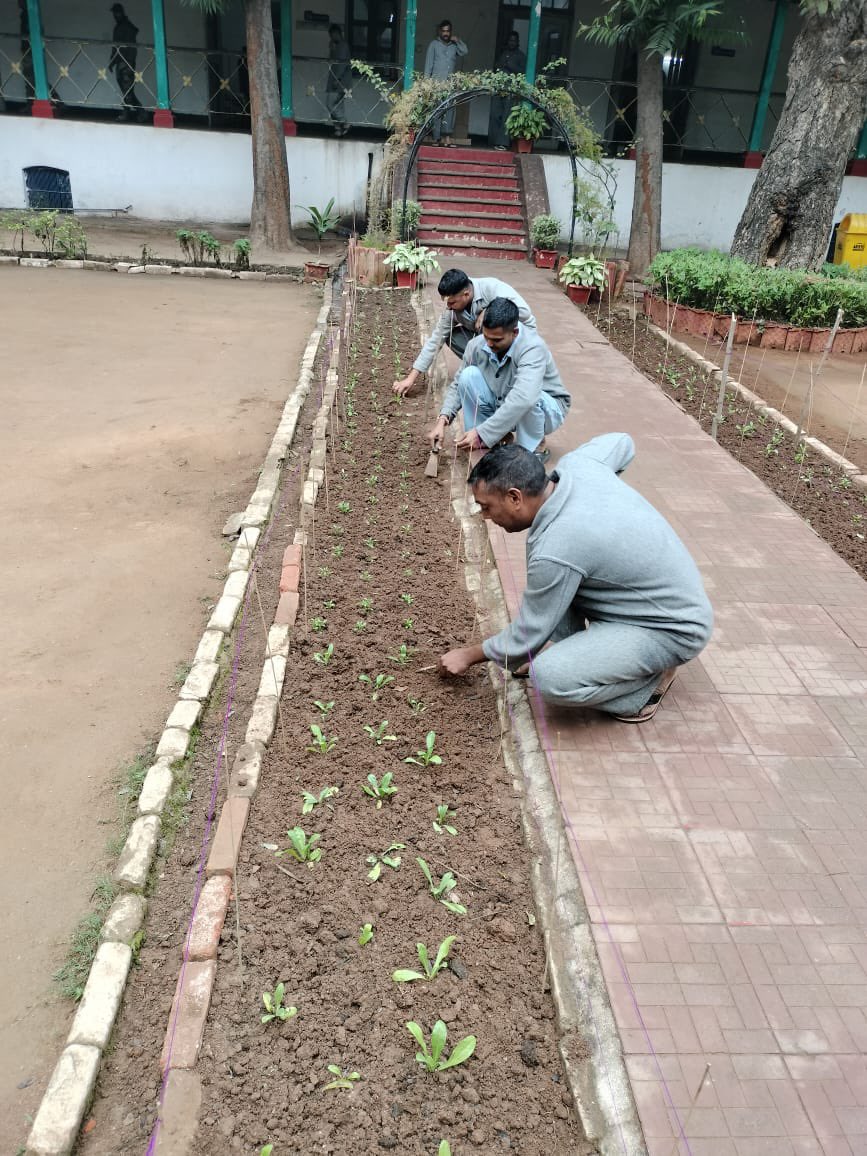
pixel 136 414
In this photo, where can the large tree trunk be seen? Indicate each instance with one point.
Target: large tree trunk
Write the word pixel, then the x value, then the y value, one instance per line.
pixel 270 226
pixel 644 234
pixel 790 210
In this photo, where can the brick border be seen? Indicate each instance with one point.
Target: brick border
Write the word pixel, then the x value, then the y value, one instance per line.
pixel 290 272
pixel 61 1111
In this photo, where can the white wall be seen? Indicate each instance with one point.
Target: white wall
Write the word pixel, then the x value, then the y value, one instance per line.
pixel 701 204
pixel 176 174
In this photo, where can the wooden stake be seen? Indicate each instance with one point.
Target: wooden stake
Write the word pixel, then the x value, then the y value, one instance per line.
pixel 723 381
pixel 808 396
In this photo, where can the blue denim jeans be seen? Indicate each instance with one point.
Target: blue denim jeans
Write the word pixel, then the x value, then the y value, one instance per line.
pixel 479 403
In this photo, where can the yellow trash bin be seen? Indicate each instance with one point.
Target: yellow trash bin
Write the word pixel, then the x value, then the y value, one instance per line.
pixel 851 246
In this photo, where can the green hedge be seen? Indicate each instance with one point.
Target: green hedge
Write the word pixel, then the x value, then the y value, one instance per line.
pixel 724 285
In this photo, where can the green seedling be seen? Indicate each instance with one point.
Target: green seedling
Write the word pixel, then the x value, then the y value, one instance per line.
pixel 403 654
pixel 387 858
pixel 441 890
pixel 309 801
pixel 267 1149
pixel 323 657
pixel 379 735
pixel 407 598
pixel 360 626
pixel 441 822
pixel 302 849
pixel 445 1149
pixel 321 744
pixel 328 604
pixel 373 479
pixel 431 1056
pixel 343 1080
pixel 365 935
pixel 379 683
pixel 408 624
pixel 324 571
pixel 366 604
pixel 431 970
pixel 337 530
pixel 370 543
pixel 344 507
pixel 379 789
pixel 426 758
pixel 747 430
pixel 417 705
pixel 325 708
pixel 337 551
pixel 318 624
pixel 274 1009
pixel 366 576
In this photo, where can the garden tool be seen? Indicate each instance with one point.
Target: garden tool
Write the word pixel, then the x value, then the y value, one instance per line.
pixel 433 461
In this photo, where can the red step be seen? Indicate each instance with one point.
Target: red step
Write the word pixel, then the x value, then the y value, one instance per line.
pixel 435 169
pixel 456 235
pixel 439 218
pixel 462 156
pixel 483 249
pixel 459 181
pixel 437 197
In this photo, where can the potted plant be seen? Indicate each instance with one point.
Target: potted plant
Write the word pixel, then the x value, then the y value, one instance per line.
pixel 545 234
pixel 408 260
pixel 580 275
pixel 322 220
pixel 524 125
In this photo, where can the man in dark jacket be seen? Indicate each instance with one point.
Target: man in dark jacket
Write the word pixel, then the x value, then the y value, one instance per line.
pixel 122 61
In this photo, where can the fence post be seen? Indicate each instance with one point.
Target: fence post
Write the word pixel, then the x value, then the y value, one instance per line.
pixel 533 40
pixel 724 378
pixel 287 107
pixel 753 159
pixel 41 105
pixel 409 46
pixel 163 112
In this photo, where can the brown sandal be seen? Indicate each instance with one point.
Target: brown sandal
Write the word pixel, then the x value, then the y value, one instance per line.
pixel 652 705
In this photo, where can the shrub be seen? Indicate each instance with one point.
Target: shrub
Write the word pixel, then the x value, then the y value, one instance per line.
pixel 545 231
pixel 412 215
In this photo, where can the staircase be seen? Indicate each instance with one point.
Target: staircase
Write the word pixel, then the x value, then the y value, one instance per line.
pixel 472 203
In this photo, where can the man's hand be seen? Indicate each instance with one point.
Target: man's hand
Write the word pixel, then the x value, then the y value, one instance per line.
pixel 403 387
pixel 470 441
pixel 457 662
pixel 480 320
pixel 437 432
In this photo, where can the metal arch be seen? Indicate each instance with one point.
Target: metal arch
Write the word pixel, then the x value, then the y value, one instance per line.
pixel 456 99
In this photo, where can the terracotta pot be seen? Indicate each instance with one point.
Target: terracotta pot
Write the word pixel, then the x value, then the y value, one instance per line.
pixel 520 145
pixel 580 294
pixel 406 278
pixel 545 258
pixel 315 270
pixel 844 340
pixel 774 336
pixel 797 340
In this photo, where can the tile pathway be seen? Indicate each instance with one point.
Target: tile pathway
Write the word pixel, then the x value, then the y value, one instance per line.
pixel 722 848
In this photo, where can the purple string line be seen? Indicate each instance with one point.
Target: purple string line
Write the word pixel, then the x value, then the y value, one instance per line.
pixel 221 750
pixel 545 737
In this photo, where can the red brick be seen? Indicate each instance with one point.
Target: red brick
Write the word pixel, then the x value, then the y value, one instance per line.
pixel 209 917
pixel 287 608
pixel 292 555
pixel 188 1015
pixel 227 841
pixel 289 578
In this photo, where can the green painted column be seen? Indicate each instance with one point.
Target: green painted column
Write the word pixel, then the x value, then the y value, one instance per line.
pixel 409 47
pixel 42 102
pixel 533 41
pixel 861 154
pixel 287 107
pixel 753 158
pixel 163 112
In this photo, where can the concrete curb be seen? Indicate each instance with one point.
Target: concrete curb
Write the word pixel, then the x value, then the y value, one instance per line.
pixel 846 467
pixel 290 273
pixel 61 1111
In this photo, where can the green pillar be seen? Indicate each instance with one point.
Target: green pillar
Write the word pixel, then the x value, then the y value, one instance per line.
pixel 42 102
pixel 861 154
pixel 409 47
pixel 163 112
pixel 287 107
pixel 753 158
pixel 533 41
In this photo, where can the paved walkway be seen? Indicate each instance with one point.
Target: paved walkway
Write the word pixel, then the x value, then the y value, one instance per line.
pixel 722 847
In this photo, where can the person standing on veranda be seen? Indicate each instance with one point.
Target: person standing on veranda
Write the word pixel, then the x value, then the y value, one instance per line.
pixel 441 61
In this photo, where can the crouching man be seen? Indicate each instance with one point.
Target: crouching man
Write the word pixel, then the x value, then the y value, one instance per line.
pixel 609 584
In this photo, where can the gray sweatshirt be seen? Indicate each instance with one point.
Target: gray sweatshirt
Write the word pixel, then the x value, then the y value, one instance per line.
pixel 442 59
pixel 598 550
pixel 485 289
pixel 526 370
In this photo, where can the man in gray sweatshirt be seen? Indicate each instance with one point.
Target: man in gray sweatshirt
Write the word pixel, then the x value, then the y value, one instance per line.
pixel 440 62
pixel 507 382
pixel 465 304
pixel 609 583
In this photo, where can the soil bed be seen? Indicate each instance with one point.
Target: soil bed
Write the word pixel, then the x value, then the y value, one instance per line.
pixel 824 497
pixel 385 534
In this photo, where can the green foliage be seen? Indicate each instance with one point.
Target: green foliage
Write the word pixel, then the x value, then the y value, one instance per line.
pixel 323 657
pixel 587 271
pixel 70 239
pixel 386 858
pixel 431 1056
pixel 445 1149
pixel 431 970
pixel 656 26
pixel 196 245
pixel 379 789
pixel 426 758
pixel 322 220
pixel 411 216
pixel 318 624
pixel 409 257
pixel 526 123
pixel 594 214
pixel 724 284
pixel 442 821
pixel 442 889
pixel 344 1079
pixel 402 655
pixel 302 848
pixel 545 231
pixel 309 801
pixel 242 250
pixel 274 1008
pixel 321 744
pixel 378 682
pixel 365 934
pixel 380 734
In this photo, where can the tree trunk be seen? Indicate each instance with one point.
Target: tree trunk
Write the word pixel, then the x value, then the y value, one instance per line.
pixel 644 234
pixel 790 210
pixel 270 226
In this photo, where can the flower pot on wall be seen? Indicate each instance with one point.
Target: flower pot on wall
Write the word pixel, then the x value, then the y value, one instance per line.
pixel 545 258
pixel 315 270
pixel 406 278
pixel 522 145
pixel 580 294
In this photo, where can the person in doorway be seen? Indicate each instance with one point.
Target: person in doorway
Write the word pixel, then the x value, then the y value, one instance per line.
pixel 507 384
pixel 440 62
pixel 614 603
pixel 465 303
pixel 339 79
pixel 122 62
pixel 513 61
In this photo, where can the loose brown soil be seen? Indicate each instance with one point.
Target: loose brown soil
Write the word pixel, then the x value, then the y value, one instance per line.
pixel 392 542
pixel 827 501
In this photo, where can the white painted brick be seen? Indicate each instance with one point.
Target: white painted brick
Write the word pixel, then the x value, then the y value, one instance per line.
pixel 263 719
pixel 8 260
pixel 185 714
pixel 200 680
pixel 246 769
pixel 156 788
pixel 273 674
pixel 138 853
pixel 278 641
pixel 69 264
pixel 251 275
pixel 209 647
pixel 249 537
pixel 310 491
pixel 191 271
pixel 224 614
pixel 36 262
pixel 173 744
pixel 236 585
pixel 159 270
pixel 66 1098
pixel 226 273
pixel 256 515
pixel 134 269
pixel 124 919
pixel 102 995
pixel 240 560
